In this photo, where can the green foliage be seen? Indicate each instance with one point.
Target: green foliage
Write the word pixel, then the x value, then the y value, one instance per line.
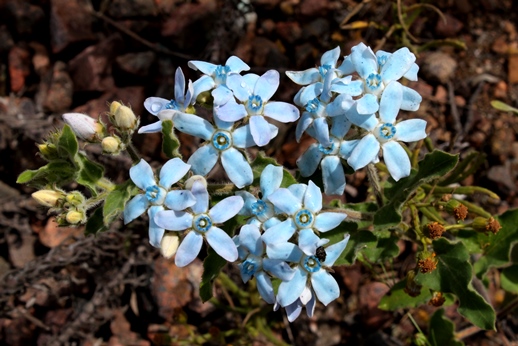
pixel 170 143
pixel 453 275
pixel 116 201
pixel 89 172
pixel 67 143
pixel 441 331
pixel 503 106
pixel 397 298
pixel 260 163
pixel 95 223
pixel 509 279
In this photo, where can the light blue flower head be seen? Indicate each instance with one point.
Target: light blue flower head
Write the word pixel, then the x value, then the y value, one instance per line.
pixel 254 93
pixel 200 222
pixel 215 78
pixel 157 194
pixel 179 104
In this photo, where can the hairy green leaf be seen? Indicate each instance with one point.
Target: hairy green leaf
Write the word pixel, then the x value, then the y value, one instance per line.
pixel 67 143
pixel 441 331
pixel 116 201
pixel 89 172
pixel 170 143
pixel 95 223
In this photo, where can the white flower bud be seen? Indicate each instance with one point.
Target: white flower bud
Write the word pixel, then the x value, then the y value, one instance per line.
pixel 111 145
pixel 190 182
pixel 124 117
pixel 74 217
pixel 169 244
pixel 84 127
pixel 48 198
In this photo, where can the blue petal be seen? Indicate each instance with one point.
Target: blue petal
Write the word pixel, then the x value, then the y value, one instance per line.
pixel 237 167
pixel 366 150
pixel 231 111
pixel 221 95
pixel 189 94
pixel 236 64
pixel 308 162
pixel 397 65
pixel 204 67
pixel 245 275
pixel 265 287
pixel 310 306
pixel 340 126
pixel 321 131
pixel 241 89
pixel 411 74
pixel 280 233
pixel 155 104
pixel 221 124
pixel 193 125
pixel 325 286
pixel 271 179
pixel 189 249
pixel 411 99
pixel 221 242
pixel 411 130
pixel 135 207
pixel 250 238
pixel 278 268
pixel 284 251
pixel 326 94
pixel 396 159
pixel 368 104
pixel 327 221
pixel 305 77
pixel 333 175
pixel 203 160
pixel 242 137
pixel 305 121
pixel 308 93
pixel 281 111
pixel 202 198
pixel 179 199
pixel 298 191
pixel 172 171
pixel 308 241
pixel 249 200
pixel 346 148
pixel 155 232
pixel 285 201
pixel 347 66
pixel 293 310
pixel 366 121
pixel 364 60
pixel 289 291
pixel 260 130
pixel 202 84
pixel 267 85
pixel 390 102
pixel 142 175
pixel 313 198
pixel 173 220
pixel 334 251
pixel 330 57
pixel 151 128
pixel 354 88
pixel 340 105
pixel 179 86
pixel 225 209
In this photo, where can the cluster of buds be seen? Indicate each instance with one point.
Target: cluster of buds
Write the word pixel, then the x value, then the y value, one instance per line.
pixel 70 207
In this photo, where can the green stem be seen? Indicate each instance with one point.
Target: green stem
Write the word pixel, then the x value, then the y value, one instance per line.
pixel 105 184
pixel 374 179
pixel 267 332
pixel 473 208
pixel 221 189
pixel 461 190
pixel 353 214
pixel 231 286
pixel 431 214
pixel 135 157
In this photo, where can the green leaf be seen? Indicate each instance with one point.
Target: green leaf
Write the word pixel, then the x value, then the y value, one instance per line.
pixel 170 142
pixel 116 201
pixel 474 241
pixel 95 223
pixel 260 163
pixel 509 279
pixel 27 176
pixel 212 266
pixel 89 172
pixel 441 331
pixel 67 143
pixel 501 244
pixel 57 172
pixel 397 298
pixel 503 106
pixel 453 275
pixel 434 165
pixel 465 168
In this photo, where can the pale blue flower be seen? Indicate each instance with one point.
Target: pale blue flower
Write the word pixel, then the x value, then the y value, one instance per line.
pixel 377 71
pixel 157 194
pixel 293 310
pixel 253 263
pixel 302 204
pixel 254 93
pixel 310 270
pixel 215 78
pixel 384 133
pixel 200 223
pixel 180 103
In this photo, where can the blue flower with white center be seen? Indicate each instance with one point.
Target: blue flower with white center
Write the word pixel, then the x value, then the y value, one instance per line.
pixel 311 269
pixel 254 93
pixel 329 157
pixel 293 310
pixel 384 133
pixel 251 253
pixel 222 141
pixel 157 194
pixel 200 223
pixel 320 109
pixel 302 204
pixel 262 211
pixel 215 78
pixel 180 104
pixel 377 71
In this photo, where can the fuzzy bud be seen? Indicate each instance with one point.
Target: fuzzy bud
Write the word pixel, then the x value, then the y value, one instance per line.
pixel 84 127
pixel 74 217
pixel 48 151
pixel 114 106
pixel 48 198
pixel 483 224
pixel 437 299
pixel 169 244
pixel 124 118
pixel 459 210
pixel 190 182
pixel 111 145
pixel 75 198
pixel 435 230
pixel 427 262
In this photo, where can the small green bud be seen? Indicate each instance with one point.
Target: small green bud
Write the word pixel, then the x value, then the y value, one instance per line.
pixel 74 217
pixel 111 145
pixel 169 244
pixel 420 339
pixel 124 118
pixel 48 151
pixel 75 198
pixel 482 224
pixel 48 198
pixel 459 210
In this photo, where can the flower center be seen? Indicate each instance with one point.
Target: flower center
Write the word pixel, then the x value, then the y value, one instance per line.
pixel 386 132
pixel 374 84
pixel 382 60
pixel 258 207
pixel 312 264
pixel 221 73
pixel 303 218
pixel 254 105
pixel 172 105
pixel 202 223
pixel 332 149
pixel 155 195
pixel 312 106
pixel 222 140
pixel 323 70
pixel 249 267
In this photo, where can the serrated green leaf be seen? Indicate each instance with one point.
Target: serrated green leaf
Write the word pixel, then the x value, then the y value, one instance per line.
pixel 95 223
pixel 116 201
pixel 497 254
pixel 170 143
pixel 441 331
pixel 397 298
pixel 67 143
pixel 89 172
pixel 509 279
pixel 260 163
pixel 453 275
pixel 434 165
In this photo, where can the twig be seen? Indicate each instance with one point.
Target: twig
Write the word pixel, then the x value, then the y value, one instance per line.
pixel 402 22
pixel 457 125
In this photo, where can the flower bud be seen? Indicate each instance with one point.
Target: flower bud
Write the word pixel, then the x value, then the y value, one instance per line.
pixel 48 151
pixel 427 262
pixel 75 198
pixel 190 182
pixel 483 224
pixel 74 217
pixel 412 288
pixel 84 127
pixel 48 198
pixel 111 145
pixel 459 210
pixel 169 244
pixel 437 299
pixel 435 230
pixel 114 106
pixel 124 118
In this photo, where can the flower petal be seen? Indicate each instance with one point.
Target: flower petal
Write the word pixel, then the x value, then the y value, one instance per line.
pixel 305 77
pixel 364 60
pixel 226 209
pixel 281 111
pixel 368 104
pixel 203 160
pixel 284 251
pixel 221 242
pixel 347 147
pixel 313 198
pixel 333 175
pixel 321 131
pixel 267 85
pixel 304 122
pixel 242 137
pixel 237 167
pixel 325 286
pixel 366 121
pixel 397 65
pixel 271 179
pixel 179 199
pixel 155 232
pixel 334 251
pixel 173 220
pixel 151 128
pixel 390 102
pixel 330 57
pixel 202 84
pixel 249 200
pixel 155 104
pixel 231 111
pixel 221 95
pixel 411 130
pixel 411 99
pixel 289 291
pixel 189 249
pixel 193 125
pixel 260 130
pixel 142 175
pixel 250 238
pixel 172 171
pixel 204 67
pixel 396 159
pixel 308 241
pixel 293 310
pixel 265 287
pixel 278 268
pixel 236 64
pixel 308 162
pixel 327 221
pixel 202 198
pixel 135 207
pixel 179 85
pixel 364 153
pixel 340 126
pixel 411 74
pixel 280 233
pixel 284 200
